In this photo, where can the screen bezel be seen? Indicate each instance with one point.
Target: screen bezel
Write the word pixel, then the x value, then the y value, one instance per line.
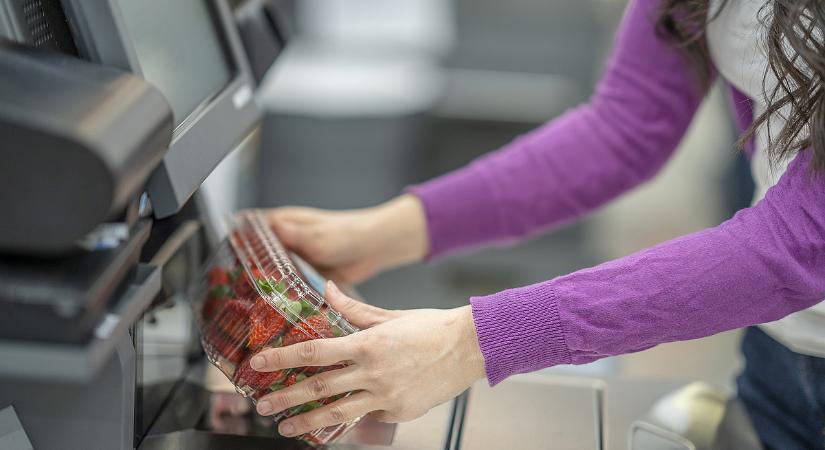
pixel 207 134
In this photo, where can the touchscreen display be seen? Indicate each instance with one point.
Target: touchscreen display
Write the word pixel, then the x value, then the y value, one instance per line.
pixel 179 50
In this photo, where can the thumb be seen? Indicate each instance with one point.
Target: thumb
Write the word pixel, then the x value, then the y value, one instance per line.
pixel 357 313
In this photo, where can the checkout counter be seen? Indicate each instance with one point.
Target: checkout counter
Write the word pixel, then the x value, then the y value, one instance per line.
pixel 113 113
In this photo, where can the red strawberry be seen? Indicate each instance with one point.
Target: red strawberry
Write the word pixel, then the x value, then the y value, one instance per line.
pixel 226 347
pixel 332 399
pixel 313 327
pixel 210 307
pixel 313 370
pixel 217 275
pixel 266 323
pixel 247 376
pixel 261 308
pixel 244 286
pixel 233 319
pixel 291 379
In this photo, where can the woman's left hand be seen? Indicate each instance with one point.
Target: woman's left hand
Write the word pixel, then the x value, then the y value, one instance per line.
pixel 399 366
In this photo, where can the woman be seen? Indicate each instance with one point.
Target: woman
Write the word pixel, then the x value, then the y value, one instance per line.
pixel 765 263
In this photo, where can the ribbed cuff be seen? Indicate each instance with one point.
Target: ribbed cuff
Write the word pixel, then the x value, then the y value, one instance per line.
pixel 460 210
pixel 519 331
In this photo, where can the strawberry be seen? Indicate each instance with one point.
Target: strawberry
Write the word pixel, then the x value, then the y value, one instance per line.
pixel 291 379
pixel 233 319
pixel 313 370
pixel 226 347
pixel 247 376
pixel 332 399
pixel 296 377
pixel 261 308
pixel 293 294
pixel 313 327
pixel 306 407
pixel 244 286
pixel 210 307
pixel 217 275
pixel 265 325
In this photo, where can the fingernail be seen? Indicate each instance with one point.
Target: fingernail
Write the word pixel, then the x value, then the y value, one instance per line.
pixel 264 407
pixel 286 429
pixel 331 287
pixel 257 362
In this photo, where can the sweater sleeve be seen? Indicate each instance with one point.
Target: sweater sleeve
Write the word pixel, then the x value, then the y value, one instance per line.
pixel 763 264
pixel 640 110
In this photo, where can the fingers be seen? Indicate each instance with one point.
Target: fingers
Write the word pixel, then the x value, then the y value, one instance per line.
pixel 294 214
pixel 352 273
pixel 317 387
pixel 340 411
pixel 357 313
pixel 294 226
pixel 318 352
pixel 293 235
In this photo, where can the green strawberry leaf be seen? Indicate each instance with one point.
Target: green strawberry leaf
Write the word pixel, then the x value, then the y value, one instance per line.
pixel 235 273
pixel 300 409
pixel 265 286
pixel 306 407
pixel 291 308
pixel 300 377
pixel 307 309
pixel 281 288
pixel 313 405
pixel 220 291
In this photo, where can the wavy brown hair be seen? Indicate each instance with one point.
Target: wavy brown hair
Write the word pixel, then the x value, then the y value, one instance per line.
pixel 795 43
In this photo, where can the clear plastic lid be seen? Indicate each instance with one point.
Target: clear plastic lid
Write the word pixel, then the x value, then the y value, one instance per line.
pixel 253 295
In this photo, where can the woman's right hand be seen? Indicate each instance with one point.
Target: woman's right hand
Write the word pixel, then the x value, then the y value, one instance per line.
pixel 351 246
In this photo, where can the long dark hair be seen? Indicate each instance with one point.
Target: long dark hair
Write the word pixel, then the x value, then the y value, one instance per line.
pixel 796 55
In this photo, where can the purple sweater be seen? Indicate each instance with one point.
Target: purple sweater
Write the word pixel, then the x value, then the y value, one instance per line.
pixel 765 263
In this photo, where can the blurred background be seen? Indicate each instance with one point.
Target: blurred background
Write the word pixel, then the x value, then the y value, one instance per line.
pixel 374 95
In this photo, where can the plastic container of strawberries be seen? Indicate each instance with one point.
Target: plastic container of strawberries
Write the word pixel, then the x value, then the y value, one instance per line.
pixel 253 295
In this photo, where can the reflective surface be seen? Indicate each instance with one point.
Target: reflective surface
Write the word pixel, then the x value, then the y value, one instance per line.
pixel 206 412
pixel 536 412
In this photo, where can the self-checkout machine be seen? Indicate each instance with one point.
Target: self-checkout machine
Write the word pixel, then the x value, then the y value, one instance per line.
pixel 112 115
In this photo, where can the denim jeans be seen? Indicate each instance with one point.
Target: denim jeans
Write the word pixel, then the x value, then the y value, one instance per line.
pixel 784 393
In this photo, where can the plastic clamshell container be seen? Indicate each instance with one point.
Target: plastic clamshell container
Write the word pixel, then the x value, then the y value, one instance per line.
pixel 253 295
